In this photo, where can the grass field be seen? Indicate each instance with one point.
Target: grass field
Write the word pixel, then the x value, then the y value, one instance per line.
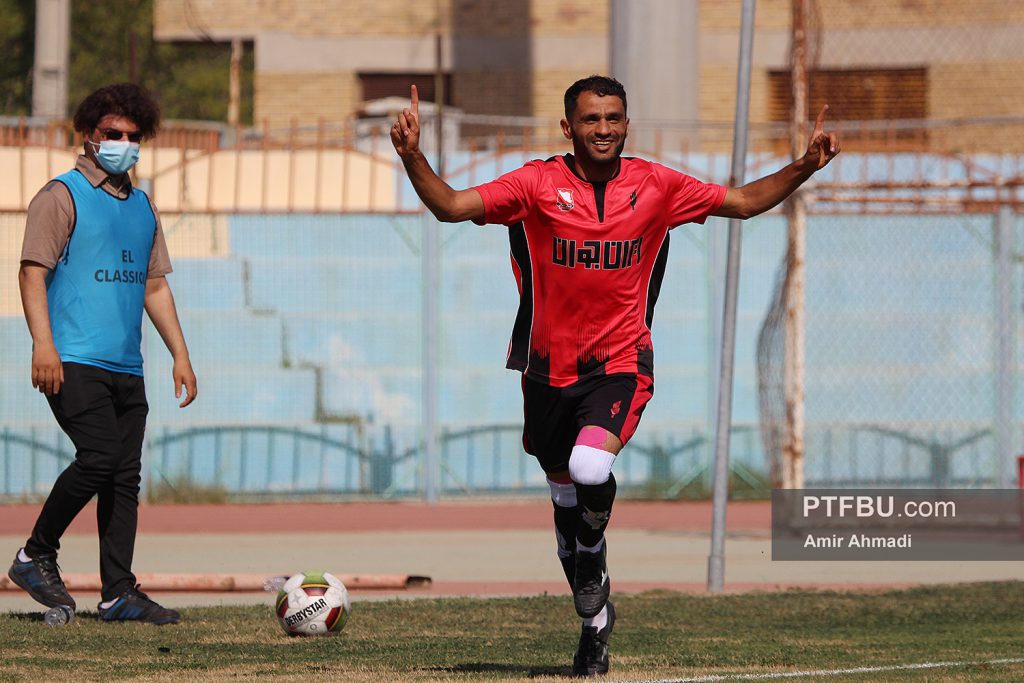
pixel 659 635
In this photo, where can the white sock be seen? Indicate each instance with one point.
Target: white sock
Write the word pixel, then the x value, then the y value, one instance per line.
pixel 599 621
pixel 22 557
pixel 108 604
pixel 596 549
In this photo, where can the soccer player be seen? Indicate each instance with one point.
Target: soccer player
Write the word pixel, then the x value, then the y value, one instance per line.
pixel 93 258
pixel 589 234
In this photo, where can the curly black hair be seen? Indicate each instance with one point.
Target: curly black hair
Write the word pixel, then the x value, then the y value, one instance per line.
pixel 599 85
pixel 129 100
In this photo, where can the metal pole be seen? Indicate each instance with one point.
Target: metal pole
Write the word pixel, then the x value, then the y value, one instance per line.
pixel 720 489
pixel 235 82
pixel 52 54
pixel 431 267
pixel 716 256
pixel 439 93
pixel 431 287
pixel 1003 347
pixel 796 212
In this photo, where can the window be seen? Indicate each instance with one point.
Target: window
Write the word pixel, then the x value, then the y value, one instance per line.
pixel 377 86
pixel 876 95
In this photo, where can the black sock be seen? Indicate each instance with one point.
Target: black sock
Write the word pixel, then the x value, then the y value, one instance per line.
pixel 567 522
pixel 595 509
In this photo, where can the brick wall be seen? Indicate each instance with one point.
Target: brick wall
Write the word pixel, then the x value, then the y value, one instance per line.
pixel 304 97
pixel 846 14
pixel 535 86
pixel 305 18
pixel 378 17
pixel 518 90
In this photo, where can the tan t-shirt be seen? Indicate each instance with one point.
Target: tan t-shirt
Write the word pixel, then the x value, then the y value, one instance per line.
pixel 51 217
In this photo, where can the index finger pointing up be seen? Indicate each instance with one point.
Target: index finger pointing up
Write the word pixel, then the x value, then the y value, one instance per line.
pixel 819 123
pixel 414 95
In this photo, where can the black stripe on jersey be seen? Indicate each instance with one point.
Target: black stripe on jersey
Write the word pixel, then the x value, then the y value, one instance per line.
pixel 519 346
pixel 599 188
pixel 654 286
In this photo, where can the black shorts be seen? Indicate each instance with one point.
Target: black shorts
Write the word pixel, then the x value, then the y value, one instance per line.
pixel 553 416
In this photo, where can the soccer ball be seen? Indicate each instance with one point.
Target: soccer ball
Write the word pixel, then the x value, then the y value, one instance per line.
pixel 313 604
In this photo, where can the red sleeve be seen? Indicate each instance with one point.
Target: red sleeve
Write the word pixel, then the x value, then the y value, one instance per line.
pixel 688 200
pixel 508 199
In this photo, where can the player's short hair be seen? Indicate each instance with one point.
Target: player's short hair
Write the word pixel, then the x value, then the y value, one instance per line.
pixel 129 100
pixel 599 85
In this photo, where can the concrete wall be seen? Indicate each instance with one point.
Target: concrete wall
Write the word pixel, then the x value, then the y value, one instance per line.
pixel 228 180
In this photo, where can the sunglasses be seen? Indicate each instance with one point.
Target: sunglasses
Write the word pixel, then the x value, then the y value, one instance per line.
pixel 115 134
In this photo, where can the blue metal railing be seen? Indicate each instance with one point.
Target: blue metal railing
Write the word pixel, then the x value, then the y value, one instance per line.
pixel 384 462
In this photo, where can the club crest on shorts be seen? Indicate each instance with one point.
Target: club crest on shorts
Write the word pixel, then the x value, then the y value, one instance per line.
pixel 615 408
pixel 563 199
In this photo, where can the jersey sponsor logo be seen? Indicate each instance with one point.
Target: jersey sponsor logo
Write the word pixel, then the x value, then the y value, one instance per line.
pixel 615 408
pixel 563 199
pixel 596 254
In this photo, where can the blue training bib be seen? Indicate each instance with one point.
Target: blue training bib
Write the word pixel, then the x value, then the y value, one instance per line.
pixel 97 290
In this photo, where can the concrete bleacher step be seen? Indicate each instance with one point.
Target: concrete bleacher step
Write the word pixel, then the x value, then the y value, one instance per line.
pixel 15 340
pixel 21 403
pixel 196 235
pixel 388 396
pixel 255 395
pixel 311 236
pixel 325 285
pixel 215 339
pixel 260 395
pixel 358 340
pixel 224 339
pixel 208 284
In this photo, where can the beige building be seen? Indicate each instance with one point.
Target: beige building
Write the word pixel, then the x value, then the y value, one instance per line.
pixel 321 59
pixel 872 60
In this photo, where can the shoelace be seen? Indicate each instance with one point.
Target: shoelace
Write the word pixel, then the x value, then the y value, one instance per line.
pixel 139 596
pixel 50 571
pixel 137 593
pixel 591 646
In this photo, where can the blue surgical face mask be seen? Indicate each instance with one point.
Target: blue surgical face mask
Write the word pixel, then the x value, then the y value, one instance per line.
pixel 117 156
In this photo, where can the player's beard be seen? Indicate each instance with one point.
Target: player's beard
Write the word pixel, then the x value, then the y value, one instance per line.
pixel 582 148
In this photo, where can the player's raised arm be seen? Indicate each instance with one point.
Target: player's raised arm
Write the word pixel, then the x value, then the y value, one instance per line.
pixel 760 195
pixel 451 206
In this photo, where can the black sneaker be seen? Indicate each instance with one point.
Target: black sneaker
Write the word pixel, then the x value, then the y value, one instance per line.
pixel 592 654
pixel 134 605
pixel 592 585
pixel 40 578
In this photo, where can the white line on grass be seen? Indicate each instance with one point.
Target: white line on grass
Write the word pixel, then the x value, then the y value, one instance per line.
pixel 825 672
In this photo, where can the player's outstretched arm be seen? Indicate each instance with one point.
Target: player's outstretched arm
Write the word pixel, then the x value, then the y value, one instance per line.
pixel 451 206
pixel 760 195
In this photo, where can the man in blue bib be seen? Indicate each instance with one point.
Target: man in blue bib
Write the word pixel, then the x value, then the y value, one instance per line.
pixel 94 257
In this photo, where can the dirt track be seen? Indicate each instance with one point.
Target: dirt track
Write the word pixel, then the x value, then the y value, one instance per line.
pixel 468 548
pixel 357 517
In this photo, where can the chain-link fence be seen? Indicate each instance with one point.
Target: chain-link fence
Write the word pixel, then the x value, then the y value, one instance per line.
pixel 909 285
pixel 300 284
pixel 306 332
pixel 912 343
pixel 306 335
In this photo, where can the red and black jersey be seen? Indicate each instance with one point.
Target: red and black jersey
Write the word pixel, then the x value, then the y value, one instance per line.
pixel 589 259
